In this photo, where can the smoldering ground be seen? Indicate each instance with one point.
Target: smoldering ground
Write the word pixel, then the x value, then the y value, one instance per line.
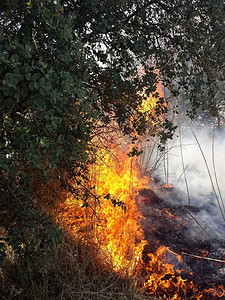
pixel 189 217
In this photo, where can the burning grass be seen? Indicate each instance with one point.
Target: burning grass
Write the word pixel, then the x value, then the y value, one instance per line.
pixel 111 220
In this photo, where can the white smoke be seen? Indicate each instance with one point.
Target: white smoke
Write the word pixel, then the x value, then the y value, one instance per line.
pixel 194 162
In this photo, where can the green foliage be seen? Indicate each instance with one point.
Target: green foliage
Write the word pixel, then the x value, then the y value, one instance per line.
pixel 39 112
pixel 34 242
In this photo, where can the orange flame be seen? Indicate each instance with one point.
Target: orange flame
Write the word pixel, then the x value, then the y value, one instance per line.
pixel 115 230
pixel 119 181
pixel 163 278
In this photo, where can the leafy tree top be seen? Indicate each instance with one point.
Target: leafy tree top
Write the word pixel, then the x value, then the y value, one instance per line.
pixel 67 64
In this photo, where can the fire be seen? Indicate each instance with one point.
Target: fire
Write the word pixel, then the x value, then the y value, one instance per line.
pixel 164 280
pixel 110 222
pixel 110 219
pixel 167 214
pixel 149 103
pixel 118 183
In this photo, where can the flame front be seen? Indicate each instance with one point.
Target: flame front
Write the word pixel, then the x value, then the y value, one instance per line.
pixel 111 220
pixel 123 237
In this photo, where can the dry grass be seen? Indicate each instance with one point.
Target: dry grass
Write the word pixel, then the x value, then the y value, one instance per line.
pixel 77 276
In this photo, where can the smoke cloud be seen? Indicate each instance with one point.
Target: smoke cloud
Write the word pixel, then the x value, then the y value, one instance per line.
pixel 194 163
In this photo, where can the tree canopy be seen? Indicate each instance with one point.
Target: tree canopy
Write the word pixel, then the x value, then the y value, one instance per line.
pixel 68 65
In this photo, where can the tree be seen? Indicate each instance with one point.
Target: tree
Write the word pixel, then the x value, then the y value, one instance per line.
pixel 68 65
